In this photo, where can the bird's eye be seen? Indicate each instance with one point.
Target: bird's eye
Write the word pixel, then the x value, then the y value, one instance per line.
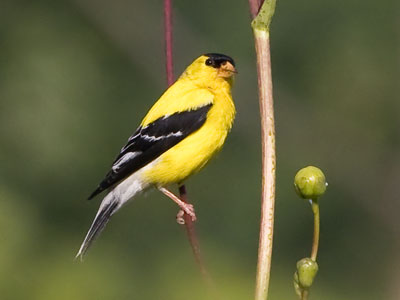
pixel 209 62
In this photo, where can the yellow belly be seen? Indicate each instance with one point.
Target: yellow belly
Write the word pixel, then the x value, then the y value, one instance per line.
pixel 193 153
pixel 187 157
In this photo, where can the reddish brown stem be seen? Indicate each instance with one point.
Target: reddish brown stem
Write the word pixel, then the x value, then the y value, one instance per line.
pixel 168 41
pixel 255 7
pixel 191 233
pixel 190 230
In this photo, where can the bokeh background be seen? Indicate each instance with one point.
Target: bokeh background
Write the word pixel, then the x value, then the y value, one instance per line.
pixel 76 76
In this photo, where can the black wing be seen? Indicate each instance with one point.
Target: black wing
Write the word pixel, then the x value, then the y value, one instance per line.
pixel 149 142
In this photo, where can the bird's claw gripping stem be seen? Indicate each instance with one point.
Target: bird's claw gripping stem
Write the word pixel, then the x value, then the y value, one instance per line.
pixel 185 207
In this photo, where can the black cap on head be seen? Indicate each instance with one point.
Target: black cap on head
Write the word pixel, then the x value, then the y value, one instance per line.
pixel 215 59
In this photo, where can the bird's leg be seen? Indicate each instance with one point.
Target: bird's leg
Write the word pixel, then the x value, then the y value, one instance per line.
pixel 185 207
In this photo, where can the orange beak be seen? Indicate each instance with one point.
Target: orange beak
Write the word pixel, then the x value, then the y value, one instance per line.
pixel 226 70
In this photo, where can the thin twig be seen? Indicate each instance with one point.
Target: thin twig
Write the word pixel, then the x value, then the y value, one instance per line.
pixel 314 250
pixel 304 295
pixel 168 41
pixel 260 26
pixel 191 233
pixel 315 244
pixel 190 229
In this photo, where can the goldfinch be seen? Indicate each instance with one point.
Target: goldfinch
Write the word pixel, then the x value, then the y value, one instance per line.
pixel 184 129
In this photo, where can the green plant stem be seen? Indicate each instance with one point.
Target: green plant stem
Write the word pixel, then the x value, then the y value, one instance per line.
pixel 260 25
pixel 314 249
pixel 268 163
pixel 315 244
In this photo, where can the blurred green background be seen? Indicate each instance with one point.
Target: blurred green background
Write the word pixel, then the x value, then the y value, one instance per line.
pixel 76 76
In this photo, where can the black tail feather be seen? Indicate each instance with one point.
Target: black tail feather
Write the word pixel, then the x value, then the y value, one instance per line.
pixel 96 192
pixel 97 226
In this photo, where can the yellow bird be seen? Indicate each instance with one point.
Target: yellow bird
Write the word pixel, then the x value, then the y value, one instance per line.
pixel 184 129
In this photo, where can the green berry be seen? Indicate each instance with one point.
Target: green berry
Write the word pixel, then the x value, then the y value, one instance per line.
pixel 306 271
pixel 310 183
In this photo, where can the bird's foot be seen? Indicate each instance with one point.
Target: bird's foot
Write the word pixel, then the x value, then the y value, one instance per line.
pixel 185 209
